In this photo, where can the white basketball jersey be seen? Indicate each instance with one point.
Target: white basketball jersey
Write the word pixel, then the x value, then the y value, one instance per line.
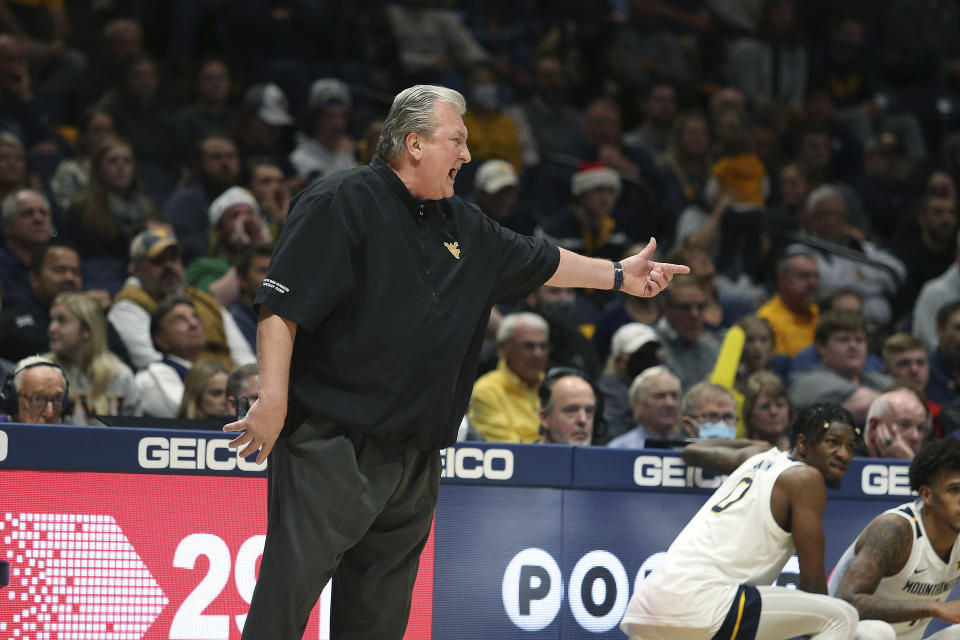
pixel 925 576
pixel 733 539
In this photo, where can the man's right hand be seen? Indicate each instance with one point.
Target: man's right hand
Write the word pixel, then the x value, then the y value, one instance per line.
pixel 260 428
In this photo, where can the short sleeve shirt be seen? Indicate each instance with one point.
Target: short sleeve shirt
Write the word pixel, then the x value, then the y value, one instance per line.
pixel 391 296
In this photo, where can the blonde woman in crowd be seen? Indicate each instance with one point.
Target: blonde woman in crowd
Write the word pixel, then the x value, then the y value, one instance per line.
pixel 204 391
pixel 100 383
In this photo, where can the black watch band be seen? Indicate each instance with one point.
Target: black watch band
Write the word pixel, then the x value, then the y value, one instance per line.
pixel 617 276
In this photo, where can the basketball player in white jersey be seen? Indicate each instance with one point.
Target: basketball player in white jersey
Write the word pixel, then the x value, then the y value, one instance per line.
pixel 901 568
pixel 714 580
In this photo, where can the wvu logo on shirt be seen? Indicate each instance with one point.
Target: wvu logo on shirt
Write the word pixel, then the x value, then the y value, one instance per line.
pixel 453 248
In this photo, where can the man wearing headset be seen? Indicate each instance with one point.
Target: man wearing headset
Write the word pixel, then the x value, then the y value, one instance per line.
pixel 36 392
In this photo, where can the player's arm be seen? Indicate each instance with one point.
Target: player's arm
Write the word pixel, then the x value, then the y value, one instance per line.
pixel 882 551
pixel 722 455
pixel 807 495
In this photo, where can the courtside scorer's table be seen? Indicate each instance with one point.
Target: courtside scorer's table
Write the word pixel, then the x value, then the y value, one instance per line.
pixel 121 534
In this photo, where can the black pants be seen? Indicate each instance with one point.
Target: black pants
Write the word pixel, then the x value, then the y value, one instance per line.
pixel 347 507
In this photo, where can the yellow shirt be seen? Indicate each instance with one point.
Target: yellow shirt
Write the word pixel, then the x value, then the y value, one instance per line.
pixel 791 331
pixel 503 408
pixel 493 136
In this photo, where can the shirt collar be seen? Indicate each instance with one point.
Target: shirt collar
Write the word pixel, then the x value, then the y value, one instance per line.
pixel 513 379
pixel 388 175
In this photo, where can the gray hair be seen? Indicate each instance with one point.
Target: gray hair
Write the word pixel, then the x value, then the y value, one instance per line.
pixel 412 112
pixel 881 406
pixel 824 192
pixel 638 388
pixel 510 323
pixel 237 377
pixel 9 206
pixel 691 400
pixel 28 363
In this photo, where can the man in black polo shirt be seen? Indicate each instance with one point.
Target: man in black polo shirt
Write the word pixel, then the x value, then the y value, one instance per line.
pixel 371 319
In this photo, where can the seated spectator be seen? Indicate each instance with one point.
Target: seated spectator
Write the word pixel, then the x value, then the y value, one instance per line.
pixel 28 227
pixel 568 406
pixel 100 383
pixel 54 269
pixel 265 180
pixel 623 309
pixel 836 300
pixel 110 211
pixel 587 226
pixel 709 411
pixel 905 360
pixel 935 293
pixel 492 133
pixel 897 425
pixel 21 114
pixel 251 268
pixel 495 190
pixel 204 392
pixel 72 175
pixel 263 124
pixel 243 389
pixel 659 110
pixel 122 41
pixel 216 169
pixel 13 165
pixel 846 261
pixel 156 270
pixel 766 409
pixel 504 404
pixel 324 146
pixel 686 165
pixel 886 189
pixel 688 351
pixel 932 251
pixel 568 345
pixel 945 358
pixel 178 335
pixel 235 224
pixel 757 354
pixel 655 400
pixel 792 311
pixel 140 118
pixel 36 392
pixel 841 342
pixel 727 300
pixel 634 348
pixel 211 112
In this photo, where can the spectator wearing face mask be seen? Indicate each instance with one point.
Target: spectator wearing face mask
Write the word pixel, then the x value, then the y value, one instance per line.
pixel 709 411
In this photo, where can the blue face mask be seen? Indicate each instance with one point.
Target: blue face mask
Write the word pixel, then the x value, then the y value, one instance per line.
pixel 717 430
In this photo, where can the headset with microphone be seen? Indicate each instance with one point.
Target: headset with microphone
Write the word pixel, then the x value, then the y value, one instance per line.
pixel 9 397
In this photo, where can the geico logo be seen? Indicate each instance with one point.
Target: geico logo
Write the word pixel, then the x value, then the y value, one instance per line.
pixel 654 471
pixel 3 446
pixel 191 453
pixel 597 593
pixel 472 463
pixel 885 480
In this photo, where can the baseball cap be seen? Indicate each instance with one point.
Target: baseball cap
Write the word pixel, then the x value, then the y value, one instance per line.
pixel 326 91
pixel 150 244
pixel 494 175
pixel 632 336
pixel 271 104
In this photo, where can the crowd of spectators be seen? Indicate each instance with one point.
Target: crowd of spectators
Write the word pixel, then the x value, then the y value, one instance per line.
pixel 801 157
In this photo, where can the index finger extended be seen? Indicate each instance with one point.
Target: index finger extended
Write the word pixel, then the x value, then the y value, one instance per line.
pixel 669 269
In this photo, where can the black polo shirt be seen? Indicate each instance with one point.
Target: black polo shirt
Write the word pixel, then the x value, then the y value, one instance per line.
pixel 392 296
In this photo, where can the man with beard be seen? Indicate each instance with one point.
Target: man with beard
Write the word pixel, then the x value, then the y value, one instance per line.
pixel 932 251
pixel 899 571
pixel 711 585
pixel 156 272
pixel 217 169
